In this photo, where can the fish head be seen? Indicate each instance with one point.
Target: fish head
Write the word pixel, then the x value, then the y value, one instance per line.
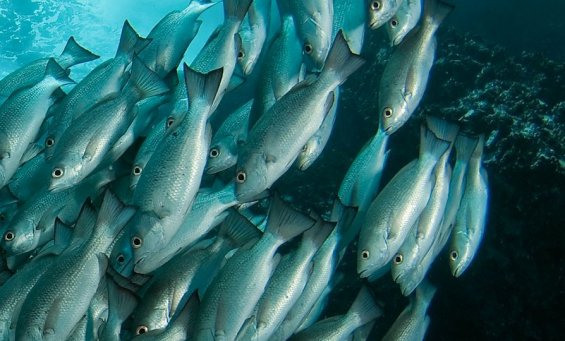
pixel 136 170
pixel 372 253
pixel 396 30
pixel 146 239
pixel 316 43
pixel 251 177
pixel 222 155
pixel 399 266
pixel 460 254
pixel 64 177
pixel 308 155
pixel 394 113
pixel 149 320
pixel 381 11
pixel 410 281
pixel 20 237
pixel 248 52
pixel 121 258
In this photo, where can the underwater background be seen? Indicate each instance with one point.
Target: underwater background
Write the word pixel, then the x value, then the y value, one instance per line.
pixel 500 69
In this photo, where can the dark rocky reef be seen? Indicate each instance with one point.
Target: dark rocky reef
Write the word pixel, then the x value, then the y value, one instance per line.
pixel 514 287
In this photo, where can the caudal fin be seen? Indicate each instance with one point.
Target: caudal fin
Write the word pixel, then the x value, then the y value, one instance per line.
pixel 341 60
pixel 113 215
pixel 319 232
pixel 285 222
pixel 74 54
pixel 430 145
pixel 202 86
pixel 238 230
pixel 464 147
pixel 236 9
pixel 364 308
pixel 442 129
pixel 435 11
pixel 478 151
pixel 147 82
pixel 121 303
pixel 55 71
pixel 130 42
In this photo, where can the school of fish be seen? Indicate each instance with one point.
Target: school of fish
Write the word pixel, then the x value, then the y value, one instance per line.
pixel 125 215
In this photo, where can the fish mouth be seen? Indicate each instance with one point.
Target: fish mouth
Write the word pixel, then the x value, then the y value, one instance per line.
pixel 364 273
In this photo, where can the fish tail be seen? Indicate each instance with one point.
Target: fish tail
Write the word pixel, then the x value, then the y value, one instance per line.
pixel 55 71
pixel 238 230
pixel 85 222
pixel 74 54
pixel 319 232
pixel 464 146
pixel 364 307
pixel 236 9
pixel 435 11
pixel 431 145
pixel 199 85
pixel 425 293
pixel 113 215
pixel 285 222
pixel 121 303
pixel 130 42
pixel 442 129
pixel 145 80
pixel 478 151
pixel 341 60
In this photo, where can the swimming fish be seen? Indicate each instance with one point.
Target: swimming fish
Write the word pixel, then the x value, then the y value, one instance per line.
pixel 380 11
pixel 405 19
pixel 253 32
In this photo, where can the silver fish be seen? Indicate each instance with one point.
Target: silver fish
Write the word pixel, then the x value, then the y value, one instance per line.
pixel 314 23
pixel 32 73
pixel 351 17
pixel 150 144
pixel 171 36
pixel 106 80
pixel 121 303
pixel 226 141
pixel 21 116
pixel 224 309
pixel 279 135
pixel 62 295
pixel 363 310
pixel 413 322
pixel 392 214
pixel 380 11
pixel 471 216
pixel 84 145
pixel 405 76
pixel 253 32
pixel 316 144
pixel 404 20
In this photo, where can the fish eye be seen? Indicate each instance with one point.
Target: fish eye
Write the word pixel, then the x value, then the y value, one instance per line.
pixel 121 258
pixel 240 54
pixel 141 330
pixel 241 177
pixel 398 259
pixel 376 5
pixel 136 170
pixel 453 255
pixel 49 142
pixel 170 121
pixel 136 242
pixel 393 22
pixel 305 148
pixel 9 235
pixel 214 152
pixel 57 172
pixel 387 112
pixel 365 254
pixel 308 48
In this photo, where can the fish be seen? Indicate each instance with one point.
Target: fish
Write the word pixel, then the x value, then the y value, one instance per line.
pixel 281 69
pixel 405 75
pixel 316 144
pixel 314 24
pixel 413 322
pixel 418 243
pixel 121 303
pixel 30 177
pixel 405 19
pixel 223 46
pixel 362 311
pixel 21 116
pixel 288 281
pixel 103 82
pixel 167 187
pixel 84 145
pixel 276 139
pixel 227 139
pixel 381 11
pixel 224 309
pixel 171 36
pixel 253 33
pixel 181 328
pixel 471 216
pixel 394 211
pixel 33 72
pixel 189 272
pixel 351 17
pixel 62 295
